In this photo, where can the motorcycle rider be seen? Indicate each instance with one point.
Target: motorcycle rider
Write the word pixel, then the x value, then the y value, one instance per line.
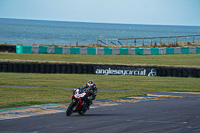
pixel 92 90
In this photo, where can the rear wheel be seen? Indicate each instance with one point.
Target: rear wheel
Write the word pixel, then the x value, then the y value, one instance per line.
pixel 70 109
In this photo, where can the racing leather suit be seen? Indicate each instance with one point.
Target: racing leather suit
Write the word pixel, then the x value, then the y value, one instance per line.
pixel 92 90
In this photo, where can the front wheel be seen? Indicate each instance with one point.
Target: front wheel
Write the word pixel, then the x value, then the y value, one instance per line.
pixel 70 109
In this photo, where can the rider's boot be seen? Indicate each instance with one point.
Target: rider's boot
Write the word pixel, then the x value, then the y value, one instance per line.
pixel 89 103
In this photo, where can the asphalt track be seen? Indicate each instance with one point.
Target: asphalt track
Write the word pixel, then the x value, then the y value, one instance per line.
pixel 174 115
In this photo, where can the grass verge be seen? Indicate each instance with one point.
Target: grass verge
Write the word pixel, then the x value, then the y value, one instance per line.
pixel 127 82
pixel 17 97
pixel 186 60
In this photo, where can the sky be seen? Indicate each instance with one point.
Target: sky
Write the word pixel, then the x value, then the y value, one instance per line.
pixel 153 12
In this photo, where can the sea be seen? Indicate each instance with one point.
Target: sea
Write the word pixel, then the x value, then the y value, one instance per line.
pixel 27 32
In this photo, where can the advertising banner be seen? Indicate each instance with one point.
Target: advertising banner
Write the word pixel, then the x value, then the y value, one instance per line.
pixel 124 70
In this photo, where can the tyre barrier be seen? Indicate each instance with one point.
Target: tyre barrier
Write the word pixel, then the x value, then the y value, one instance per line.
pixel 5 48
pixel 98 69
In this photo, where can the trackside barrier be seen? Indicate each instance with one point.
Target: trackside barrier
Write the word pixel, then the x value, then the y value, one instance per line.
pixel 6 48
pixel 98 69
pixel 107 51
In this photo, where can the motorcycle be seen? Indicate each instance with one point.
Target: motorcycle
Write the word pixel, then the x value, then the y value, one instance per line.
pixel 78 102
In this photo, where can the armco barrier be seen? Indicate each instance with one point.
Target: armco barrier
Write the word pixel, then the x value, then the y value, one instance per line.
pixel 107 51
pixel 98 69
pixel 154 51
pixel 198 50
pixel 91 51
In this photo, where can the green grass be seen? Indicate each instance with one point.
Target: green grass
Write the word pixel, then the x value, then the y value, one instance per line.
pixel 127 82
pixel 12 97
pixel 187 60
pixel 16 97
pixel 40 94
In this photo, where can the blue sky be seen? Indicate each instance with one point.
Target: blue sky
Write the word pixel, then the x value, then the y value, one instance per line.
pixel 156 12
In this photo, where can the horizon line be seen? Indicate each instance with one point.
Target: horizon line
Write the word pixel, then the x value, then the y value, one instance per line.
pixel 98 22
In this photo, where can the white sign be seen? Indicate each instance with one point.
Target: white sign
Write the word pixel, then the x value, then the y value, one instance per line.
pixel 124 71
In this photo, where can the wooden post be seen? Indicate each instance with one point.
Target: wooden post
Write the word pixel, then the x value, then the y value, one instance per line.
pixel 168 39
pixel 160 40
pixel 193 38
pixel 135 41
pixel 185 39
pixel 176 39
pixel 151 40
pixel 107 41
pixel 117 41
pixel 126 42
pixel 97 41
pixel 143 42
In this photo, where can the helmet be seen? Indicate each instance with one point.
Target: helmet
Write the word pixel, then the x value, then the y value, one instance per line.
pixel 90 83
